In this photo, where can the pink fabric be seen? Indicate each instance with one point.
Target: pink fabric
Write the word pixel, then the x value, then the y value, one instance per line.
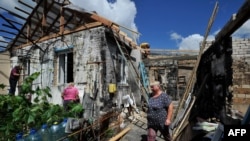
pixel 12 73
pixel 70 93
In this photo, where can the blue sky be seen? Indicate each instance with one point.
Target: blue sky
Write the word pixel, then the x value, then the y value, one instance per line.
pixel 164 24
pixel 168 23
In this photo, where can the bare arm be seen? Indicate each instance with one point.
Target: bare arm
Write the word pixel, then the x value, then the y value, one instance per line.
pixel 170 113
pixel 17 73
pixel 62 95
pixel 77 95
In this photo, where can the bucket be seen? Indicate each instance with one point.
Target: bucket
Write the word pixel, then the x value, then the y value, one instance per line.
pixel 112 88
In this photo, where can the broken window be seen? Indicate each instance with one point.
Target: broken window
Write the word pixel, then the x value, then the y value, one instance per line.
pixel 26 65
pixel 65 67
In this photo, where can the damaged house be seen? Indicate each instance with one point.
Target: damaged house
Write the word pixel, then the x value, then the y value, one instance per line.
pixel 68 44
pixel 219 87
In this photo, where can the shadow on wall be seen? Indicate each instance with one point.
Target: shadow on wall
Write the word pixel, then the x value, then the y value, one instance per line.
pixel 56 95
pixel 4 77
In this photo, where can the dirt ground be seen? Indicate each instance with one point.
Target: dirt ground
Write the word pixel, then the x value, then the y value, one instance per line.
pixel 138 129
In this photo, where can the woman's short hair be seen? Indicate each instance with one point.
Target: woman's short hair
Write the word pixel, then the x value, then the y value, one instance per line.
pixel 155 83
pixel 71 83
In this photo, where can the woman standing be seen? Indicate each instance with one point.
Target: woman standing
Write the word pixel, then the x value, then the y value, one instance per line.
pixel 70 94
pixel 160 109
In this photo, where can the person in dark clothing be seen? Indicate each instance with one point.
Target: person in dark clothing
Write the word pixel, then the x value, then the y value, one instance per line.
pixel 159 114
pixel 13 79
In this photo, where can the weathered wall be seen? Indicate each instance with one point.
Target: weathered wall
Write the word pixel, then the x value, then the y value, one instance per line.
pixel 224 72
pixel 96 63
pixel 185 69
pixel 241 74
pixel 165 71
pixel 213 77
pixel 4 71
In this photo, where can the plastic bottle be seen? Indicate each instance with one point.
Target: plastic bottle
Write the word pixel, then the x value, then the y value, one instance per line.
pixel 62 127
pixel 19 137
pixel 45 133
pixel 34 136
pixel 55 131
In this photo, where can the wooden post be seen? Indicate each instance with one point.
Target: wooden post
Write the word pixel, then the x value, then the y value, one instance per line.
pixel 119 135
pixel 62 20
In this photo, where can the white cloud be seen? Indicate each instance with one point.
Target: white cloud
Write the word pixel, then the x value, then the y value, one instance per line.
pixel 9 5
pixel 175 36
pixel 122 12
pixel 191 42
pixel 2 43
pixel 243 32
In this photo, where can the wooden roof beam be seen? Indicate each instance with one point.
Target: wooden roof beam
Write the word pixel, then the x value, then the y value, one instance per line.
pixel 2 46
pixel 236 21
pixel 22 29
pixel 13 33
pixel 14 14
pixel 102 20
pixel 21 10
pixel 7 37
pixel 13 21
pixel 62 20
pixel 25 4
pixel 86 26
pixel 45 12
pixel 44 18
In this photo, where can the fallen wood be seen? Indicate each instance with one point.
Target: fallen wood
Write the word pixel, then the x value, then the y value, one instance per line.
pixel 241 90
pixel 119 135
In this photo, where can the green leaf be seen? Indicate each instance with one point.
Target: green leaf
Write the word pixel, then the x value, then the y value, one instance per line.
pixel 31 119
pixel 36 99
pixel 17 112
pixel 36 108
pixel 20 113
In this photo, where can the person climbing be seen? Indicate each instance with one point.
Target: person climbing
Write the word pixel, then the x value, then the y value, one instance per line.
pixel 13 79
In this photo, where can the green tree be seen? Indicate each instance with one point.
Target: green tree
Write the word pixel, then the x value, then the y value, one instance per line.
pixel 19 113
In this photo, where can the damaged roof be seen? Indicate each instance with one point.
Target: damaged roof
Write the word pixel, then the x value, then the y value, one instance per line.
pixel 54 18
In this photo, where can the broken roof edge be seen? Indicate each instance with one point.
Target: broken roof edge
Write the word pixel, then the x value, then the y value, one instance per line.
pixel 100 21
pixel 114 26
pixel 66 32
pixel 126 40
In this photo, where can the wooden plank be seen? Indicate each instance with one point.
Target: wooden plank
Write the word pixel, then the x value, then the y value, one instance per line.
pixel 83 27
pixel 241 90
pixel 241 100
pixel 119 135
pixel 235 22
pixel 157 68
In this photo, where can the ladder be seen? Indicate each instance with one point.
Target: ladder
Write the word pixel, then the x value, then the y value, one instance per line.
pixel 124 53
